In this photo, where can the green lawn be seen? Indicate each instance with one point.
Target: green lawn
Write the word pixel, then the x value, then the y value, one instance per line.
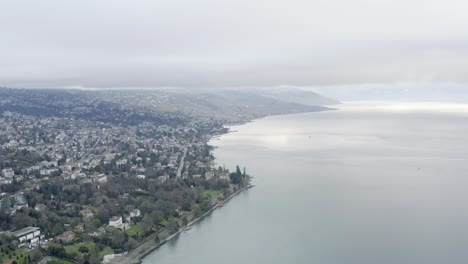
pixel 14 254
pixel 55 260
pixel 105 251
pixel 163 222
pixel 75 247
pixel 91 247
pixel 211 193
pixel 133 230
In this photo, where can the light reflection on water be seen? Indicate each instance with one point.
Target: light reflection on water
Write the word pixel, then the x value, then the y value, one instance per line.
pixel 364 184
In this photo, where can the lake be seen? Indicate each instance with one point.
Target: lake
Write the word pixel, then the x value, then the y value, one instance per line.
pixel 373 183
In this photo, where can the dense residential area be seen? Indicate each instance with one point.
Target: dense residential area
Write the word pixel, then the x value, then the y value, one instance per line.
pixel 82 190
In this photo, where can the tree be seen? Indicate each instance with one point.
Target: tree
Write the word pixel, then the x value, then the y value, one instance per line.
pixel 172 226
pixel 197 212
pixel 235 178
pixel 147 224
pixel 83 249
pixel 184 221
pixel 103 214
pixel 238 171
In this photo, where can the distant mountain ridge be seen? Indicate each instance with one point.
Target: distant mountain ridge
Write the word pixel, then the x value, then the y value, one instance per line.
pixel 161 105
pixel 299 97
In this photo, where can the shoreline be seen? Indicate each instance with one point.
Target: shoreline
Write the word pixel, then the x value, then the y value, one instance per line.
pixel 137 255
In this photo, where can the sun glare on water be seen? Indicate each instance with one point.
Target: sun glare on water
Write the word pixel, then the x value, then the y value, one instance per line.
pixel 386 106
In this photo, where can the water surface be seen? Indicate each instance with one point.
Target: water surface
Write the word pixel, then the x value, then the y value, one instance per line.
pixel 360 185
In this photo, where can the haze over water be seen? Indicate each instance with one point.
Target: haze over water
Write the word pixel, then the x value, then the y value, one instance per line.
pixel 365 184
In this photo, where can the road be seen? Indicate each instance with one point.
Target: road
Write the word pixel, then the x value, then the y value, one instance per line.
pixel 181 164
pixel 91 149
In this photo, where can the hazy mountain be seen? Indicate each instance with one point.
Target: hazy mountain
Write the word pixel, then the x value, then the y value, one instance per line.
pixel 161 105
pixel 220 103
pixel 298 96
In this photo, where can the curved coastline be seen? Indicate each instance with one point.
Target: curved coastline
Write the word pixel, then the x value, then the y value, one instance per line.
pixel 137 255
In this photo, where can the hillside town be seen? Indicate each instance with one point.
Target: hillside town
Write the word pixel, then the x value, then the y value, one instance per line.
pixel 76 190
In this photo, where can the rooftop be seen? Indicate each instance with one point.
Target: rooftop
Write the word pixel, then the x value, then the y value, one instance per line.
pixel 25 231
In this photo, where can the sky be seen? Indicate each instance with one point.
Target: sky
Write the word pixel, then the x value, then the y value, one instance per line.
pixel 329 45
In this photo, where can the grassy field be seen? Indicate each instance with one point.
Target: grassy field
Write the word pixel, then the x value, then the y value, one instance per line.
pixel 133 230
pixel 91 247
pixel 55 260
pixel 105 251
pixel 75 247
pixel 211 193
pixel 14 254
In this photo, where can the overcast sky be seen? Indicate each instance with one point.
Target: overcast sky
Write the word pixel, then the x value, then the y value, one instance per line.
pixel 232 43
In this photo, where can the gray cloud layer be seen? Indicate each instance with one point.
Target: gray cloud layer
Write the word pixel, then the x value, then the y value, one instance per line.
pixel 212 43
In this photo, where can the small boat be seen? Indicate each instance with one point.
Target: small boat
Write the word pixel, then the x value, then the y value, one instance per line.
pixel 187 228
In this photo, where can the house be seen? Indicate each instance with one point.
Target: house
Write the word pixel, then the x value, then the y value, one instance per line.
pixel 66 237
pixel 101 178
pixel 224 177
pixel 44 172
pixel 86 214
pixel 121 162
pixel 79 228
pixel 116 221
pixel 209 175
pixel 135 213
pixel 162 179
pixel 19 201
pixel 40 207
pixel 141 176
pixel 196 177
pixel 8 173
pixel 30 236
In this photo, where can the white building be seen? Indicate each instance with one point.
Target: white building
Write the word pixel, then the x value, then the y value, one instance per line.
pixel 209 175
pixel 8 173
pixel 135 213
pixel 224 177
pixel 101 178
pixel 121 162
pixel 116 222
pixel 30 236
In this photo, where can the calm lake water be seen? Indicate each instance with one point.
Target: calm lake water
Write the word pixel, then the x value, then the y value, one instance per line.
pixel 364 184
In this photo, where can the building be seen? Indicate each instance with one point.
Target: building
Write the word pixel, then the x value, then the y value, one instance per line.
pixel 28 236
pixel 135 213
pixel 141 176
pixel 209 175
pixel 101 178
pixel 66 237
pixel 40 207
pixel 116 222
pixel 86 213
pixel 121 162
pixel 224 177
pixel 8 173
pixel 162 179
